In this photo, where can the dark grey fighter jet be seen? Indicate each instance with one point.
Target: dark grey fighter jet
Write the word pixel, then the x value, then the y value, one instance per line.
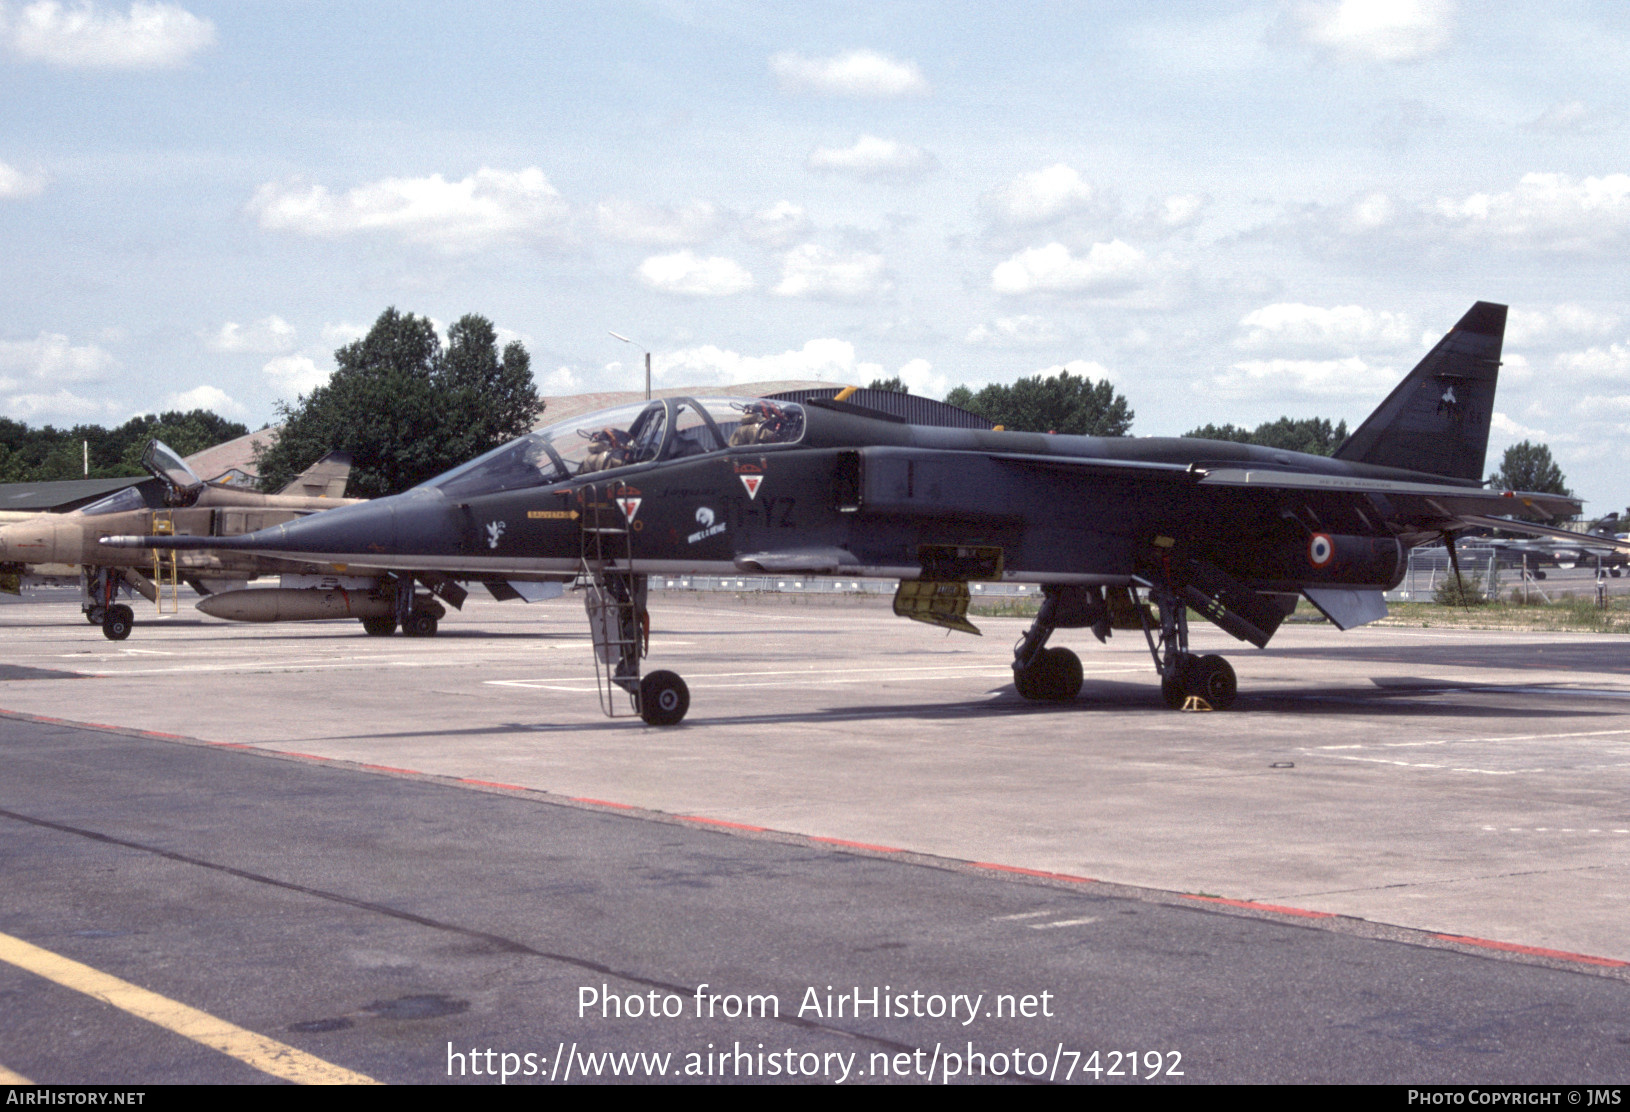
pixel 1119 532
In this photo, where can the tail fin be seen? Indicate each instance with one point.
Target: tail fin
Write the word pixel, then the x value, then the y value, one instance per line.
pixel 324 479
pixel 1437 418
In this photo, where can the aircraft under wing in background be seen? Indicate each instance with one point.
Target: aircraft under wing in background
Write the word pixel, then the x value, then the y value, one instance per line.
pixel 1120 532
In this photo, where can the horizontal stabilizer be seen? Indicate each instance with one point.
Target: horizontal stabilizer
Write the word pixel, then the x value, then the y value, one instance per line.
pixel 1347 608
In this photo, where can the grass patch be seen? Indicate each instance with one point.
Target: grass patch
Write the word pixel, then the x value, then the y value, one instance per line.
pixel 1568 615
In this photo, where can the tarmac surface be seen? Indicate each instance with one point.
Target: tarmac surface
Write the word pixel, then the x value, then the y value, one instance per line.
pixel 1402 856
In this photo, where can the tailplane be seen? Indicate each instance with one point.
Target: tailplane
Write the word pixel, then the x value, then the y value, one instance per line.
pixel 1437 419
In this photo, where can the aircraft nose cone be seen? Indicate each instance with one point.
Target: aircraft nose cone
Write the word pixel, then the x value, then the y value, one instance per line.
pixel 416 522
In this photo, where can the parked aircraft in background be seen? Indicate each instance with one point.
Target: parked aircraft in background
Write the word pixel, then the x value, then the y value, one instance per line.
pixel 1118 531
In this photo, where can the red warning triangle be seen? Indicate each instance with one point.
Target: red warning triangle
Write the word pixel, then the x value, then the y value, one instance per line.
pixel 751 482
pixel 631 506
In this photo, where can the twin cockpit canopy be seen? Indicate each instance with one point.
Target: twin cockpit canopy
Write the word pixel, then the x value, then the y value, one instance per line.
pixel 644 432
pixel 181 485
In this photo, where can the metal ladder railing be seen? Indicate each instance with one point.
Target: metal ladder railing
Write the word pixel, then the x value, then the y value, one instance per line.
pixel 606 563
pixel 166 567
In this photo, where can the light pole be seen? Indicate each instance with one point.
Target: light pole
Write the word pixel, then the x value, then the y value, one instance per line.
pixel 626 340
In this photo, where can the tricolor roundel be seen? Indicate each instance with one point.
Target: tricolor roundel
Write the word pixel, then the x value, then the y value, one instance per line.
pixel 1321 550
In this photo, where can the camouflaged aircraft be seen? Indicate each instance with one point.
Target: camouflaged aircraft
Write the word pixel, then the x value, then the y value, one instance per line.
pixel 1119 532
pixel 174 500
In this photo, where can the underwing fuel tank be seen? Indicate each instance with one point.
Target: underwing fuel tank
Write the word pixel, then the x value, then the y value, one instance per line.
pixel 295 604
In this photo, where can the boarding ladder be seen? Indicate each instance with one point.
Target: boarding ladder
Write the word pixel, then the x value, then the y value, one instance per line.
pixel 613 594
pixel 166 567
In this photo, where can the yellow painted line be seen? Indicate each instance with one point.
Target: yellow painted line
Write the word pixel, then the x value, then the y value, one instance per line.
pixel 12 1077
pixel 264 1054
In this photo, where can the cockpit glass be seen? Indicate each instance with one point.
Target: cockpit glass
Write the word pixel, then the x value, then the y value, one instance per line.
pixel 161 460
pixel 130 498
pixel 663 429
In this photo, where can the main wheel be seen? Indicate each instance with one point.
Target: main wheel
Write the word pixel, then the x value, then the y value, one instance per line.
pixel 116 625
pixel 379 627
pixel 664 699
pixel 96 615
pixel 1053 676
pixel 420 623
pixel 1212 679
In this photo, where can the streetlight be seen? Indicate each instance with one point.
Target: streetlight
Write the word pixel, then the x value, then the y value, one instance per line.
pixel 626 340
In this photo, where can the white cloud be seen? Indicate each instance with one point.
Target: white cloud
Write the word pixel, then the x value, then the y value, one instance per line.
pixel 1324 378
pixel 777 225
pixel 1531 326
pixel 151 36
pixel 818 272
pixel 211 398
pixel 338 335
pixel 818 360
pixel 1180 210
pixel 16 184
pixel 859 73
pixel 871 157
pixel 1020 331
pixel 1307 327
pixel 265 337
pixel 661 226
pixel 62 407
pixel 1108 268
pixel 561 380
pixel 51 357
pixel 489 207
pixel 295 374
pixel 1384 30
pixel 1041 197
pixel 685 273
pixel 1500 423
pixel 1548 212
pixel 1612 361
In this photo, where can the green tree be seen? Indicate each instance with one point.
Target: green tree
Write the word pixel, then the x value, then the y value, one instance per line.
pixel 1313 435
pixel 1529 467
pixel 1062 403
pixel 406 409
pixel 892 385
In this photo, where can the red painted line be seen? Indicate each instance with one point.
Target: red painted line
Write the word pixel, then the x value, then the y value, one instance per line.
pixel 1303 912
pixel 230 745
pixel 721 822
pixel 172 737
pixel 493 784
pixel 1536 951
pixel 858 845
pixel 388 768
pixel 604 803
pixel 1032 872
pixel 302 756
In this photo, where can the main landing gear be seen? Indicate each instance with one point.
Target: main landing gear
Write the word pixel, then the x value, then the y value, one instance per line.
pixel 1183 675
pixel 1054 675
pixel 417 612
pixel 101 606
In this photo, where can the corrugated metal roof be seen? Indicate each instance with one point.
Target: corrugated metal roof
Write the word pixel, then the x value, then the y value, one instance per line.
pixel 908 407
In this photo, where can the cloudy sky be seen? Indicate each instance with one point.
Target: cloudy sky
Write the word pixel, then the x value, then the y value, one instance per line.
pixel 1234 211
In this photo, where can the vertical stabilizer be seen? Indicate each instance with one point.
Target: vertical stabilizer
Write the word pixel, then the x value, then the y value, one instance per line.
pixel 1437 419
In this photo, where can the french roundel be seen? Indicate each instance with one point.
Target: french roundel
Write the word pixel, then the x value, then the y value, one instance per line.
pixel 1321 550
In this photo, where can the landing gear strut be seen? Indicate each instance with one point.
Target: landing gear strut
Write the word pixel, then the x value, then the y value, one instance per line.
pixel 101 606
pixel 1182 674
pixel 1054 675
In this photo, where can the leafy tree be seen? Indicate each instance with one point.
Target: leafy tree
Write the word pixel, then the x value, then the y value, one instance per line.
pixel 1529 467
pixel 892 385
pixel 406 409
pixel 1063 403
pixel 1313 435
pixel 48 453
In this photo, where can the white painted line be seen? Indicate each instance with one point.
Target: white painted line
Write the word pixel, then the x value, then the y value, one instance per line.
pixel 1063 923
pixel 1020 915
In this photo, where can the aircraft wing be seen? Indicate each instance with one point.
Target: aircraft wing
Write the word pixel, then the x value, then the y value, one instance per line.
pixel 1580 540
pixel 1428 506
